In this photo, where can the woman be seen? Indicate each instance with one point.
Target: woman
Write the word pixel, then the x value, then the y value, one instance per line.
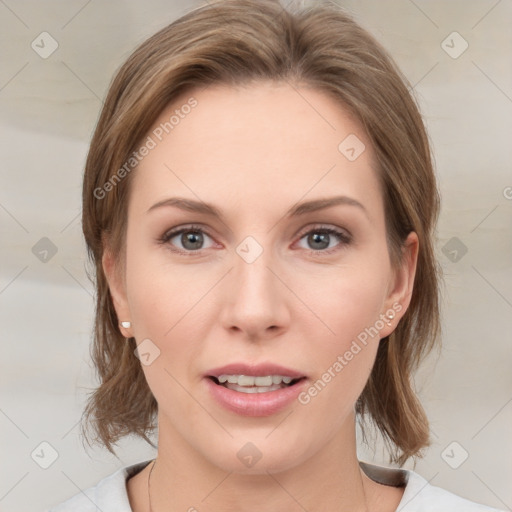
pixel 260 205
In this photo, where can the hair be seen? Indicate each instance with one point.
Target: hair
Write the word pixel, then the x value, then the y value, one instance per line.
pixel 236 43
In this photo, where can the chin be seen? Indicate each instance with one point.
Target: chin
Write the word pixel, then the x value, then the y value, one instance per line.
pixel 253 455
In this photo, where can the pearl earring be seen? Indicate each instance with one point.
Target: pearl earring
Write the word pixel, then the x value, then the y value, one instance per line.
pixel 126 325
pixel 389 317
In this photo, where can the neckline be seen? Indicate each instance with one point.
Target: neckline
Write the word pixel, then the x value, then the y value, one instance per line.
pixel 394 477
pixel 389 476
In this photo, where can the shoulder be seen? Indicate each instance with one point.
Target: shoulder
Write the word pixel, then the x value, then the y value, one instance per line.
pixel 110 493
pixel 421 496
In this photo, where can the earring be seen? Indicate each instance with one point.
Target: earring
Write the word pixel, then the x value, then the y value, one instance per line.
pixel 390 317
pixel 126 325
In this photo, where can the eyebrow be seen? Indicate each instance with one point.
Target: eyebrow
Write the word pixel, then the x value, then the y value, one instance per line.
pixel 296 210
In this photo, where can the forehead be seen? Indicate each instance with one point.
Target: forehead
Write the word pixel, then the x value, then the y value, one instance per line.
pixel 256 145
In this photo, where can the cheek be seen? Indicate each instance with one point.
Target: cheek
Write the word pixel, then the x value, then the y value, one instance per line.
pixel 356 306
pixel 159 294
pixel 167 313
pixel 168 306
pixel 350 308
pixel 348 300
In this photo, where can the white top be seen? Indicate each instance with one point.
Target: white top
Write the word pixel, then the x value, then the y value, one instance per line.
pixel 110 494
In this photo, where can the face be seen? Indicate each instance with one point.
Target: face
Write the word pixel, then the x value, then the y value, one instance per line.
pixel 262 283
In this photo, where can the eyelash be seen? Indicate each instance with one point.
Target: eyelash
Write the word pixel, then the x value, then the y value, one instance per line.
pixel 343 237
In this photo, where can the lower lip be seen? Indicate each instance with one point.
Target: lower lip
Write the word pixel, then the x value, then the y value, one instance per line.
pixel 254 404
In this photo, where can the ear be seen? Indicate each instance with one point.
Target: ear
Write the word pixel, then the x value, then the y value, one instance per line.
pixel 401 286
pixel 116 283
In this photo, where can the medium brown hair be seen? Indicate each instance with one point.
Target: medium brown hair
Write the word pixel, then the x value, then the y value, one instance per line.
pixel 237 42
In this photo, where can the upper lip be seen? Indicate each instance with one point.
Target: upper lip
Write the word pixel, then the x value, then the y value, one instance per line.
pixel 256 370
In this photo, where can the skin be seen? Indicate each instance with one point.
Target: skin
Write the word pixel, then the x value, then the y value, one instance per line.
pixel 254 152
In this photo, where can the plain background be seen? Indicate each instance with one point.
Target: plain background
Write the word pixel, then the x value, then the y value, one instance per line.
pixel 49 107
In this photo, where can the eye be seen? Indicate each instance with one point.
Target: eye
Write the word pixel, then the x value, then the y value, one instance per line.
pixel 320 239
pixel 189 239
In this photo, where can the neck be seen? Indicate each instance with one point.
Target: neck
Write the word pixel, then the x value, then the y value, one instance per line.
pixel 331 479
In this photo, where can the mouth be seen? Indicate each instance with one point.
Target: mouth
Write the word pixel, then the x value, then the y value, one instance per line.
pixel 255 384
pixel 254 390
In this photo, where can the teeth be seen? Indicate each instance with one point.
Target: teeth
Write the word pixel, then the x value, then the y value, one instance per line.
pixel 265 381
pixel 254 389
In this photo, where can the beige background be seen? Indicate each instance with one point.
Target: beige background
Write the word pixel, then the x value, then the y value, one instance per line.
pixel 48 111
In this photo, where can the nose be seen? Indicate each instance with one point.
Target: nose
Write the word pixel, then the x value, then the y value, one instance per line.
pixel 257 299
